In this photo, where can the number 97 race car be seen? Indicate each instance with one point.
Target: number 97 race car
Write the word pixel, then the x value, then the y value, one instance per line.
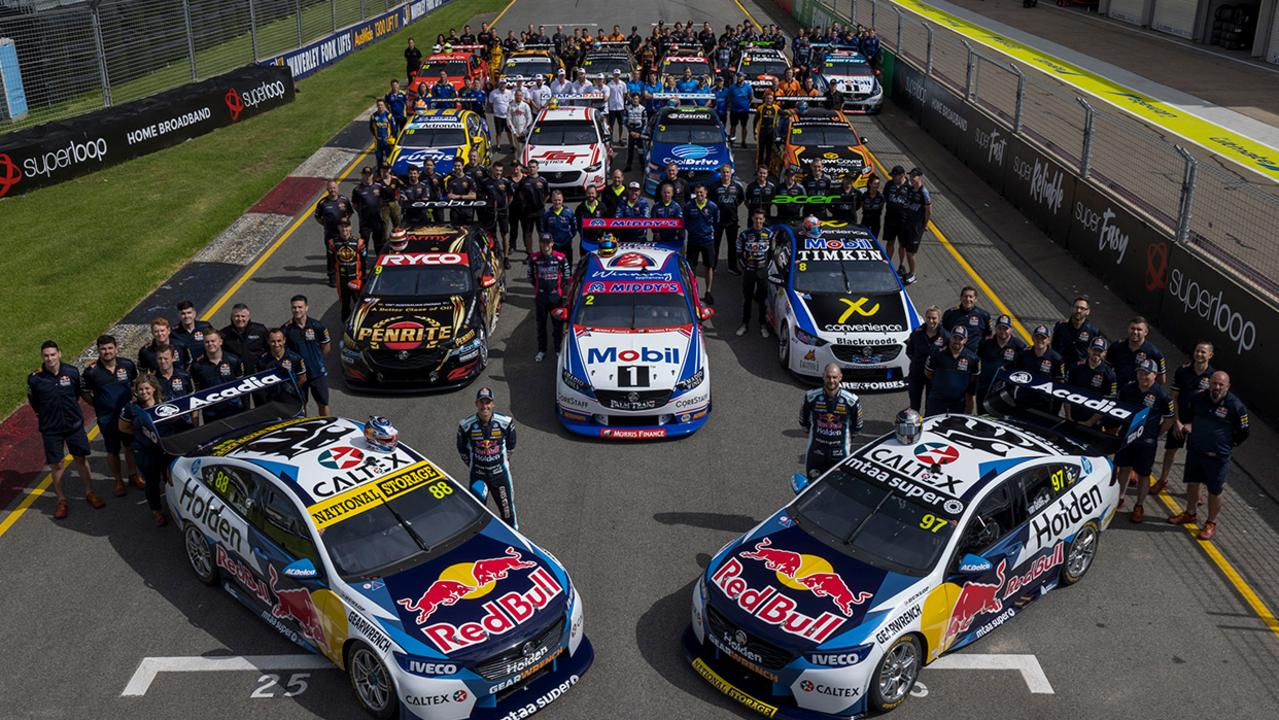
pixel 919 543
pixel 360 549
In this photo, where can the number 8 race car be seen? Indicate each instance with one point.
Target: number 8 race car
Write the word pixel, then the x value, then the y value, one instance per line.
pixel 920 543
pixel 367 553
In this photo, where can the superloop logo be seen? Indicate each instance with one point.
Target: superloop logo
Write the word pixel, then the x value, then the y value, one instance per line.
pixel 10 174
pixel 1198 300
pixel 50 162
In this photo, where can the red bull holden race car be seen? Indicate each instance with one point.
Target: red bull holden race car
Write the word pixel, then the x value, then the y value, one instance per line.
pixel 919 543
pixel 360 549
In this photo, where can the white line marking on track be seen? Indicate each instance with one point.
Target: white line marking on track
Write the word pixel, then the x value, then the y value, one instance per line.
pixel 152 666
pixel 1027 665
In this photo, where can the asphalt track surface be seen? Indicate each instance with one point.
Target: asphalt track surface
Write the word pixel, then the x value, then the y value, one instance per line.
pixel 1154 631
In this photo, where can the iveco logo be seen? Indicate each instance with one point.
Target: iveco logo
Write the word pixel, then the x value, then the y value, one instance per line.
pixel 690 152
pixel 1021 377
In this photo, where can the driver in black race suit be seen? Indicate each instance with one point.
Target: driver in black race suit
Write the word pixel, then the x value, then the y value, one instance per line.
pixel 754 251
pixel 832 416
pixel 485 441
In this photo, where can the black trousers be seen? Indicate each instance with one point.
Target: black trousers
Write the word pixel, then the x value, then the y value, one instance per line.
pixel 634 145
pixel 543 312
pixel 915 391
pixel 754 292
pixel 729 231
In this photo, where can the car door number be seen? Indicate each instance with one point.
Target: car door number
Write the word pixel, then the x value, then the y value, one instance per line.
pixel 269 686
pixel 632 376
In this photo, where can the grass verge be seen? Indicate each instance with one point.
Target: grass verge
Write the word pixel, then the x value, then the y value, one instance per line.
pixel 81 254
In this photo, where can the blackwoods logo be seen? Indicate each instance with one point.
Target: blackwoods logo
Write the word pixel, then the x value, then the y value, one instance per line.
pixel 955 118
pixel 993 143
pixel 1197 300
pixel 73 154
pixel 1045 185
pixel 1109 235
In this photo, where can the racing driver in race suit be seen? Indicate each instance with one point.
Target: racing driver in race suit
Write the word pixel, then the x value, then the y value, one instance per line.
pixel 832 416
pixel 485 441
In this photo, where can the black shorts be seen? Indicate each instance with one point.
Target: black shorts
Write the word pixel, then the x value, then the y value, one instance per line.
pixel 1172 442
pixel 706 252
pixel 893 231
pixel 499 125
pixel 527 224
pixel 503 220
pixel 1140 457
pixel 912 236
pixel 112 438
pixel 318 387
pixel 74 442
pixel 1209 471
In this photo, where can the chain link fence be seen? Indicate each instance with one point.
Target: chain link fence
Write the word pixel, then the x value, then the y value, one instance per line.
pixel 1195 195
pixel 81 55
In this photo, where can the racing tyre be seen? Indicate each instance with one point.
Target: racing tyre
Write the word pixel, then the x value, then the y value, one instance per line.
pixel 1080 554
pixel 896 673
pixel 484 349
pixel 199 555
pixel 783 347
pixel 371 681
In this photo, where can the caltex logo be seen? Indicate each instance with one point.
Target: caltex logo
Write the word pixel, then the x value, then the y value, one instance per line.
pixel 341 458
pixel 936 454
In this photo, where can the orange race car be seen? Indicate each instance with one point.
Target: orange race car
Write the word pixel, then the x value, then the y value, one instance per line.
pixel 825 134
pixel 458 64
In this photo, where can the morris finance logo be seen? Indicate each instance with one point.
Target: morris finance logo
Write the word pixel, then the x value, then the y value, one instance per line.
pixel 993 143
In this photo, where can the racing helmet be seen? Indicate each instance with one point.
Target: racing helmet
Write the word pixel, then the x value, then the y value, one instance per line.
pixel 397 240
pixel 802 107
pixel 607 245
pixel 908 426
pixel 380 434
pixel 812 226
pixel 553 104
pixel 420 106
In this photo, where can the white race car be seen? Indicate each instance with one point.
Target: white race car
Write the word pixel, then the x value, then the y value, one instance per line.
pixel 572 148
pixel 370 555
pixel 854 84
pixel 921 542
pixel 836 298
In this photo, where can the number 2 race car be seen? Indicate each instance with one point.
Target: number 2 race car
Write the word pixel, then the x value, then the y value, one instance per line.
pixel 920 543
pixel 367 553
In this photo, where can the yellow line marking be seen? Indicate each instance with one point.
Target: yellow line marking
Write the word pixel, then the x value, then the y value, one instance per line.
pixel 499 15
pixel 747 13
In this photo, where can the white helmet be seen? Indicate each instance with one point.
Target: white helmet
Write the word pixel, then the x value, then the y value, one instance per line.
pixel 380 434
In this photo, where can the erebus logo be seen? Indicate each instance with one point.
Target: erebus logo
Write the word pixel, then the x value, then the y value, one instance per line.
pixel 1101 405
pixel 1045 186
pixel 993 143
pixel 1197 300
pixel 73 154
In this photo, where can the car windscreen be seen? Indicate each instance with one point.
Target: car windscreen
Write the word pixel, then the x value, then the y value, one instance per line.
pixel 451 68
pixel 675 68
pixel 530 66
pixel 420 280
pixel 632 311
pixel 824 135
pixel 607 64
pixel 763 66
pixel 846 66
pixel 707 133
pixel 872 522
pixel 395 531
pixel 843 277
pixel 564 132
pixel 434 136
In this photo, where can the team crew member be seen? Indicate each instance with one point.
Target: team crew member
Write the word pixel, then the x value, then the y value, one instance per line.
pixel 308 337
pixel 460 186
pixel 872 205
pixel 397 103
pixel 614 193
pixel 52 392
pixel 920 345
pixel 896 198
pixel 975 320
pixel 190 331
pixel 790 212
pixel 844 209
pixel 278 355
pixel 739 108
pixel 1193 377
pixel 367 201
pixel 561 225
pixel 485 441
pixel 413 197
pixel 498 190
pixel 819 183
pixel 591 208
pixel 952 376
pixel 1094 374
pixel 729 195
pixel 412 60
pixel 161 334
pixel 766 117
pixel 634 119
pixel 531 193
pixel 1072 337
pixel 1139 456
pixel 383 129
pixel 678 185
pixel 1216 422
pixel 1040 359
pixel 106 384
pixel 215 368
pixel 833 417
pixel 701 217
pixel 996 352
pixel 917 213
pixel 633 206
pixel 390 194
pixel 244 338
pixel 668 208
pixel 146 393
pixel 330 212
pixel 174 381
pixel 1125 355
pixel 760 192
pixel 753 251
pixel 549 271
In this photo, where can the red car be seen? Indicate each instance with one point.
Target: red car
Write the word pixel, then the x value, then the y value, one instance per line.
pixel 458 65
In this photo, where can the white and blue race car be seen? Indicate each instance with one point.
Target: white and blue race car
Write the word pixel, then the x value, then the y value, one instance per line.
pixel 921 542
pixel 372 557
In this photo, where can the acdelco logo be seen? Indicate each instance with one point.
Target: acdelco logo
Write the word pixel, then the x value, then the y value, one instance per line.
pixel 74 153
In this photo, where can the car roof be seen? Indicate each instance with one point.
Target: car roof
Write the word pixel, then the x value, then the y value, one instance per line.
pixel 632 261
pixel 455 55
pixel 567 112
pixel 690 112
pixel 435 238
pixel 438 117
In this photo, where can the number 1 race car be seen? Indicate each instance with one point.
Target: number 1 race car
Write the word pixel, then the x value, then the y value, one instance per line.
pixel 920 543
pixel 368 554
pixel 836 298
pixel 572 149
pixel 634 363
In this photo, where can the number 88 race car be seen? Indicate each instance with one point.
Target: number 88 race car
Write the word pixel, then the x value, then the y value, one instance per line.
pixel 360 549
pixel 920 543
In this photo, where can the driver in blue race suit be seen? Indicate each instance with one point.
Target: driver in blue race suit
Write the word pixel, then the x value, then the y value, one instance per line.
pixel 485 442
pixel 832 416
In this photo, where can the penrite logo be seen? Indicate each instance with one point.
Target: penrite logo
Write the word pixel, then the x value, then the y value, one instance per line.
pixel 10 174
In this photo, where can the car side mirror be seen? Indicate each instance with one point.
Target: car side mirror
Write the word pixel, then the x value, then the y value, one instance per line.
pixel 480 490
pixel 798 482
pixel 302 569
pixel 865 142
pixel 705 313
pixel 487 281
pixel 559 313
pixel 971 564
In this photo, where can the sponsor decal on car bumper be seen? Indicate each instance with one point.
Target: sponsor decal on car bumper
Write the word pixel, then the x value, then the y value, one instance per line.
pixel 731 690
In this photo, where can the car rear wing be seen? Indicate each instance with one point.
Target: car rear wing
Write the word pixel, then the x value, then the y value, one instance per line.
pixel 614 225
pixel 538 46
pixel 836 46
pixel 611 43
pixel 1099 423
pixel 772 44
pixel 694 96
pixel 449 205
pixel 275 394
pixel 801 98
pixel 580 100
pixel 452 101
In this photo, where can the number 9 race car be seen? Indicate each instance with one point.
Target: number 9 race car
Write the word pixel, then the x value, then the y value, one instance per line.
pixel 921 542
pixel 364 551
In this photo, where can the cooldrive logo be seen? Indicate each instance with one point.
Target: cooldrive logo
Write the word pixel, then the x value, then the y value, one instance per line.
pixel 1110 237
pixel 1197 300
pixel 993 143
pixel 690 152
pixel 1066 513
pixel 75 153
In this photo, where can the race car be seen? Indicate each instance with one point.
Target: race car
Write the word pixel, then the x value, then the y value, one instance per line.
pixel 360 549
pixel 763 67
pixel 693 138
pixel 572 148
pixel 458 64
pixel 602 62
pixel 825 134
pixel 854 84
pixel 921 542
pixel 529 63
pixel 673 66
pixel 836 298
pixel 425 315
pixel 634 365
pixel 447 136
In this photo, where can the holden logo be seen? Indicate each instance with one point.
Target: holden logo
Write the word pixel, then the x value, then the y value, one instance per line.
pixel 632 396
pixel 1021 377
pixel 740 637
pixel 403 355
pixel 166 410
pixel 528 649
pixel 690 152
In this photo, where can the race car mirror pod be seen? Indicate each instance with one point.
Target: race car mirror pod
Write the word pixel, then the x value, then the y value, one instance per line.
pixel 223 410
pixel 1037 401
pixel 635 224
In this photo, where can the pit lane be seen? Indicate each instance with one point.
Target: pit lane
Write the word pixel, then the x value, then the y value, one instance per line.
pixel 1153 630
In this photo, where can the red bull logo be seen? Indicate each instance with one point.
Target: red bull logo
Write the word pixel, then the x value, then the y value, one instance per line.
pixel 296 605
pixel 808 572
pixel 975 599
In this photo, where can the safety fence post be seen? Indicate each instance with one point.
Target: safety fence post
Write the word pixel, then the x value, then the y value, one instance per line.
pixel 1085 158
pixel 104 76
pixel 928 65
pixel 297 7
pixel 333 13
pixel 968 71
pixel 1187 194
pixel 253 29
pixel 901 20
pixel 186 22
pixel 874 12
pixel 1021 97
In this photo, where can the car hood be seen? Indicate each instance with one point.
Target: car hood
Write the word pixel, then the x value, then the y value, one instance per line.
pixel 666 355
pixel 406 157
pixel 558 158
pixel 853 83
pixel 691 157
pixel 379 324
pixel 837 159
pixel 856 313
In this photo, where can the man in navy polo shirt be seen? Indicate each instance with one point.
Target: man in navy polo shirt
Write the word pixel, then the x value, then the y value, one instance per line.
pixel 190 330
pixel 995 352
pixel 975 320
pixel 1041 361
pixel 217 368
pixel 1139 456
pixel 1094 373
pixel 308 337
pixel 952 376
pixel 53 392
pixel 1193 377
pixel 162 335
pixel 107 384
pixel 1071 337
pixel 1216 422
pixel 278 355
pixel 1125 355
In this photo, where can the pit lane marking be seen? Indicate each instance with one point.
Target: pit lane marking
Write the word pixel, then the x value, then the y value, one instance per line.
pixel 152 666
pixel 1028 665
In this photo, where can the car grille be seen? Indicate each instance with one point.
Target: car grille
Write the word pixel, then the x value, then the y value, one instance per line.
pixel 567 177
pixel 501 665
pixel 633 400
pixel 771 656
pixel 866 354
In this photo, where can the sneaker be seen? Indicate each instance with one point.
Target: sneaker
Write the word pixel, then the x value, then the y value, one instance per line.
pixel 138 482
pixel 540 357
pixel 763 331
pixel 910 279
pixel 901 271
pixel 119 488
pixel 1138 514
pixel 1158 487
pixel 60 510
pixel 159 518
pixel 708 299
pixel 1209 529
pixel 94 501
pixel 1184 518
pixel 741 330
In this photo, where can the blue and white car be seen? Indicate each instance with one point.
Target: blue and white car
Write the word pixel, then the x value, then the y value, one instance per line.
pixel 918 544
pixel 691 137
pixel 855 86
pixel 374 558
pixel 447 136
pixel 634 363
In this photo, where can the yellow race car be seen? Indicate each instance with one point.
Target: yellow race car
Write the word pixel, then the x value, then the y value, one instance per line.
pixel 448 136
